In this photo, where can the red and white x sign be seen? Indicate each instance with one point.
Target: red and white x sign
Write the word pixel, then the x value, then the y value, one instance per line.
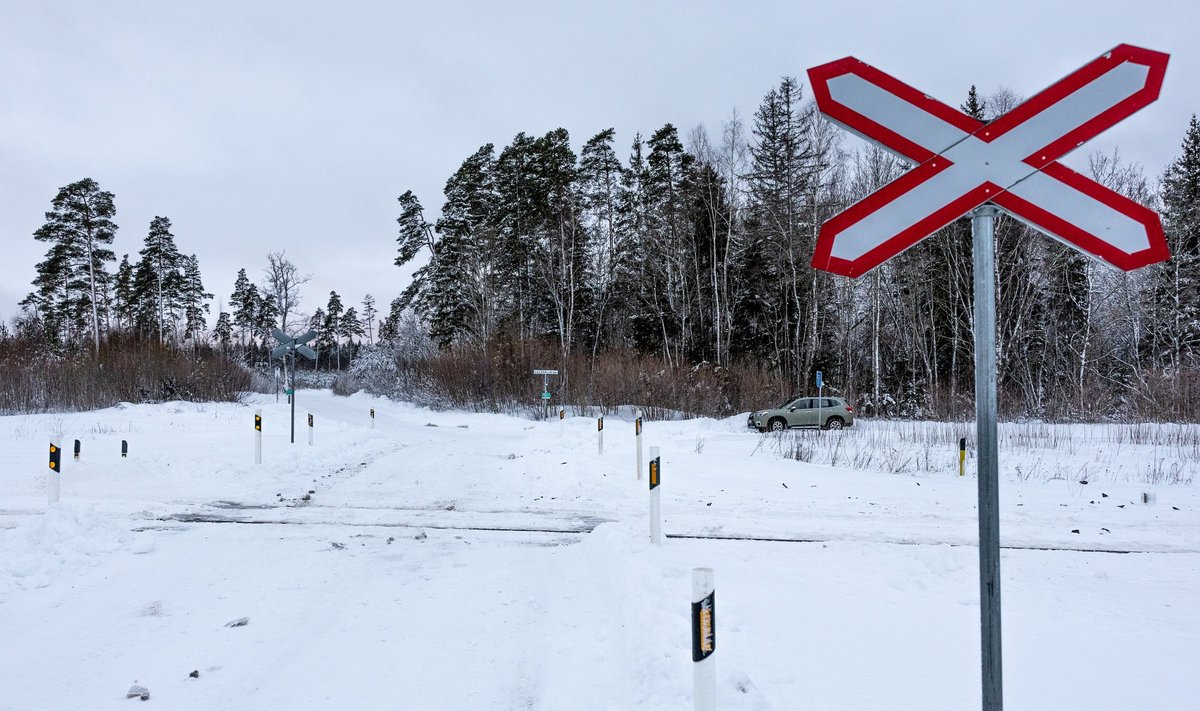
pixel 962 163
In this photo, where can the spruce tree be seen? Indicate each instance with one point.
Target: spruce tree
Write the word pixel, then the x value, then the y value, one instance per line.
pixel 600 184
pixel 194 299
pixel 123 294
pixel 223 331
pixel 161 257
pixel 1175 333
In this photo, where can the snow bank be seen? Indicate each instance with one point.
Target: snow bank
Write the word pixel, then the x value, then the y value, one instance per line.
pixel 35 552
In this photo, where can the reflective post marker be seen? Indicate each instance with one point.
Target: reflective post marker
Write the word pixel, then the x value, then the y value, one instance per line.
pixel 77 446
pixel 258 436
pixel 655 503
pixel 54 473
pixel 600 435
pixel 562 421
pixel 962 454
pixel 372 418
pixel 310 429
pixel 637 431
pixel 704 639
pixel 124 449
pixel 987 459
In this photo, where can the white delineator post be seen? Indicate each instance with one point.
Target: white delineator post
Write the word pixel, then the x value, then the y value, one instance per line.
pixel 258 436
pixel 637 430
pixel 562 421
pixel 704 639
pixel 600 436
pixel 656 536
pixel 372 418
pixel 310 429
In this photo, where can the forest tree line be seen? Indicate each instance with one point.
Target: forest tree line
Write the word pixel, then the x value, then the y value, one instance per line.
pixel 697 249
pixel 693 251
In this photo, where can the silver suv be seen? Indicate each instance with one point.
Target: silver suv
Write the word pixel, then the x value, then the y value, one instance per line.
pixel 831 413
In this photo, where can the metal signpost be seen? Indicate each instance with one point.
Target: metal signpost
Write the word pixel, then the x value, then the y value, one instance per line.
pixel 288 348
pixel 965 166
pixel 820 387
pixel 545 387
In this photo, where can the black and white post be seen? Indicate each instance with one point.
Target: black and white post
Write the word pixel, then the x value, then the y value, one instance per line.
pixel 704 639
pixel 372 418
pixel 258 436
pixel 600 436
pixel 54 473
pixel 656 535
pixel 637 433
pixel 310 429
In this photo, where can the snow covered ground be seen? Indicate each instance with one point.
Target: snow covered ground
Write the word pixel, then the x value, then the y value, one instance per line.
pixel 449 560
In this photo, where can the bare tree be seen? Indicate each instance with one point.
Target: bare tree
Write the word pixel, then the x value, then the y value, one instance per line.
pixel 283 289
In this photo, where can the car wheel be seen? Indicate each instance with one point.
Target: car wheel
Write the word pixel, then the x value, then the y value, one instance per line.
pixel 777 425
pixel 835 423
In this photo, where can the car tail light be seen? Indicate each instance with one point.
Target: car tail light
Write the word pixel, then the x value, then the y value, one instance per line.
pixel 849 409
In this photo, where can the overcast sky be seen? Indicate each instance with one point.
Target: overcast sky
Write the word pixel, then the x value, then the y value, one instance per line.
pixel 265 126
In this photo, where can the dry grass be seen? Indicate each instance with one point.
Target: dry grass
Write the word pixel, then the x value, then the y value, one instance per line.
pixel 37 380
pixel 1142 453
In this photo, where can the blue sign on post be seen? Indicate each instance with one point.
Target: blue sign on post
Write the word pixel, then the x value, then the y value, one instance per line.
pixel 546 395
pixel 820 381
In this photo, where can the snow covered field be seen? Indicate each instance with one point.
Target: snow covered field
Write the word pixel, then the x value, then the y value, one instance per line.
pixel 448 560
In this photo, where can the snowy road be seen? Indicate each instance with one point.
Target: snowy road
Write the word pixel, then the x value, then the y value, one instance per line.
pixel 470 561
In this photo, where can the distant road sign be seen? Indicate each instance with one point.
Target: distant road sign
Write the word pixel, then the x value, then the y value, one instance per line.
pixel 546 396
pixel 545 372
pixel 962 163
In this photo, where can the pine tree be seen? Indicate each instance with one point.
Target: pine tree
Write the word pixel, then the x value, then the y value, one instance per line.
pixel 318 323
pixel 351 326
pixel 244 301
pixel 70 281
pixel 333 324
pixel 368 319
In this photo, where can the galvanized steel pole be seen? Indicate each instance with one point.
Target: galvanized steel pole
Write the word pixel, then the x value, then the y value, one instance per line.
pixel 983 238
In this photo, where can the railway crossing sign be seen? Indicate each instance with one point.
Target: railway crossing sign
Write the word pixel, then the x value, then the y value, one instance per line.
pixel 289 346
pixel 962 163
